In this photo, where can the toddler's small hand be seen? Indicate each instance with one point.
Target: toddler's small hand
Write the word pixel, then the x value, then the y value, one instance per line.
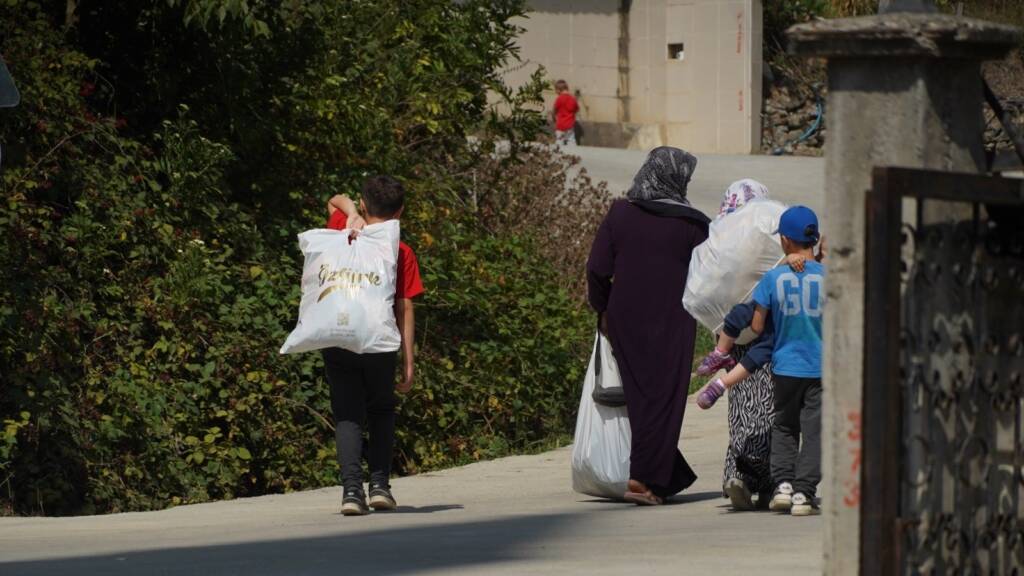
pixel 796 262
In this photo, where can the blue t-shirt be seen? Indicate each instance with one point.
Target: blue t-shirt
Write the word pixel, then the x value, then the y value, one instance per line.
pixel 797 301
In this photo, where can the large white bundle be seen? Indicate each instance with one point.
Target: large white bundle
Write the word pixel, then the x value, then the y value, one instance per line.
pixel 348 291
pixel 724 270
pixel 601 445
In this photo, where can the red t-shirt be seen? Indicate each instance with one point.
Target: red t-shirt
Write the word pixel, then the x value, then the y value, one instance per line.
pixel 565 112
pixel 407 282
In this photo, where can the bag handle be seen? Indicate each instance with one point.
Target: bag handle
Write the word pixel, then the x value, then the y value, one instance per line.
pixel 611 397
pixel 597 353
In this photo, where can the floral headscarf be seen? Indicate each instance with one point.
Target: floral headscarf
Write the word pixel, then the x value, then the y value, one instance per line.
pixel 739 193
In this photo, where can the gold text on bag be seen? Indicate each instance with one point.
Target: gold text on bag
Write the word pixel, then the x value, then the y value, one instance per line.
pixel 347 276
pixel 344 278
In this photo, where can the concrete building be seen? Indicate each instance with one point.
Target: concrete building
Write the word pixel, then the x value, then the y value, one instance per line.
pixel 684 73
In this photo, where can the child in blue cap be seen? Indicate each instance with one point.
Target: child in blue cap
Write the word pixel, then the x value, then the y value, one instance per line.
pixel 759 351
pixel 795 302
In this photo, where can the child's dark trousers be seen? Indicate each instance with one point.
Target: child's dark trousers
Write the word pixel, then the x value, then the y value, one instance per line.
pixel 362 395
pixel 797 412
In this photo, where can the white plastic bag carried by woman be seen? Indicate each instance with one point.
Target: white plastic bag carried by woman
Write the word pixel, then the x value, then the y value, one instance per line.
pixel 601 445
pixel 742 245
pixel 348 291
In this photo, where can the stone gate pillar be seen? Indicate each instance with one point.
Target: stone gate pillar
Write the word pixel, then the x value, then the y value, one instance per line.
pixel 905 89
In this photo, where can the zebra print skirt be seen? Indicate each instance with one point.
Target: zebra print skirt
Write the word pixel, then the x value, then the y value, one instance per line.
pixel 751 407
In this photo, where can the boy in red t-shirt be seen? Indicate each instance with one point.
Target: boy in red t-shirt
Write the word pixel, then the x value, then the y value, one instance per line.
pixel 363 385
pixel 564 114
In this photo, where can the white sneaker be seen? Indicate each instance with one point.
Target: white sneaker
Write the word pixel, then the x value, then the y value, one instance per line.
pixel 782 499
pixel 803 506
pixel 738 494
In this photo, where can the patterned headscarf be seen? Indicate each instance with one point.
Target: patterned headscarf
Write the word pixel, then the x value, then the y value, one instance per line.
pixel 664 176
pixel 739 193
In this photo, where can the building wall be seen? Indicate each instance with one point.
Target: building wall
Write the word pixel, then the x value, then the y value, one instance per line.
pixel 707 102
pixel 577 41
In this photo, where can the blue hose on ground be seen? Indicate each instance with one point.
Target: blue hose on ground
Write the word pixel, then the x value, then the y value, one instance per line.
pixel 778 151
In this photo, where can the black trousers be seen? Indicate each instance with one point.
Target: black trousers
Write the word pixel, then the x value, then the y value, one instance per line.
pixel 362 395
pixel 797 413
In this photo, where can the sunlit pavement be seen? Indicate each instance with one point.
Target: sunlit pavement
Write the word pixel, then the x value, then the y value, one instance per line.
pixel 510 516
pixel 791 179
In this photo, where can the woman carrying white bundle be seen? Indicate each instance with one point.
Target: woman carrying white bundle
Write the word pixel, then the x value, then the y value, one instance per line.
pixel 749 381
pixel 751 401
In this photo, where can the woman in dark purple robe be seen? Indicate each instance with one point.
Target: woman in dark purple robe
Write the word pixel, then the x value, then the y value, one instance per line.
pixel 635 275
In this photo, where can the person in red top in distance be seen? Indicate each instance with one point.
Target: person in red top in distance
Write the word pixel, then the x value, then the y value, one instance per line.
pixel 564 114
pixel 363 385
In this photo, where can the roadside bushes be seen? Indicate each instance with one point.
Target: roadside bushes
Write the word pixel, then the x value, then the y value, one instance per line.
pixel 148 267
pixel 141 311
pixel 546 195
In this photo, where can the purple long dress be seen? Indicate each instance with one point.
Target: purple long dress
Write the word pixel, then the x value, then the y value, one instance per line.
pixel 636 274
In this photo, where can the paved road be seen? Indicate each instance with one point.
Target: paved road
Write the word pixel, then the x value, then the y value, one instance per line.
pixel 510 516
pixel 794 180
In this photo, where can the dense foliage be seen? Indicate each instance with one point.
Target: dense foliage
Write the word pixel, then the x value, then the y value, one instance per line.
pixel 163 158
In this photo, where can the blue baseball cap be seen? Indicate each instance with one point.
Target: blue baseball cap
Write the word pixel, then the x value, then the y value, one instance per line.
pixel 799 223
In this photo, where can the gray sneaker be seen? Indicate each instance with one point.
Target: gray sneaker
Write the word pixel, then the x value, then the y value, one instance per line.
pixel 739 494
pixel 381 498
pixel 354 503
pixel 782 499
pixel 803 506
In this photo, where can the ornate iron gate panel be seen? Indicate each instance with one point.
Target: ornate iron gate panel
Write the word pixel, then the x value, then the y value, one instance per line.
pixel 942 486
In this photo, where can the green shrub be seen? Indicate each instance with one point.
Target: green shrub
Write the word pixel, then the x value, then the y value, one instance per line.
pixel 148 267
pixel 847 8
pixel 141 315
pixel 780 15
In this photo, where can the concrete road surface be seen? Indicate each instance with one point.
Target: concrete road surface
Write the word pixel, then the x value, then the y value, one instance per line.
pixel 515 515
pixel 510 516
pixel 790 179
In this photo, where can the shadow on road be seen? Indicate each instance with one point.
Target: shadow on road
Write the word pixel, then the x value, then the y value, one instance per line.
pixel 690 497
pixel 425 509
pixel 391 551
pixel 684 498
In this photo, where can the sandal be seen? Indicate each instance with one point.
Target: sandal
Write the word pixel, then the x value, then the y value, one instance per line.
pixel 642 498
pixel 638 493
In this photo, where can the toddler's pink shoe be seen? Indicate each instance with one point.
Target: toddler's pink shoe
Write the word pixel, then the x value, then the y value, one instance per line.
pixel 710 394
pixel 714 362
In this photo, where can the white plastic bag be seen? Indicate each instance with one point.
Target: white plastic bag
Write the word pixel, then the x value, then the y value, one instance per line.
pixel 726 268
pixel 348 291
pixel 600 450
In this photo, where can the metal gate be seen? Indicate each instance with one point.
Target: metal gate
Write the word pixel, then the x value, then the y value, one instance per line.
pixel 942 489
